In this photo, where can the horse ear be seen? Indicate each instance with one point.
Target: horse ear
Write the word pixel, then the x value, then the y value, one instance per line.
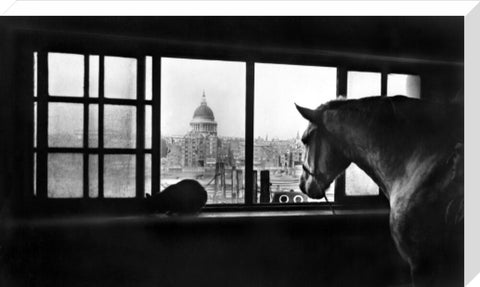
pixel 313 116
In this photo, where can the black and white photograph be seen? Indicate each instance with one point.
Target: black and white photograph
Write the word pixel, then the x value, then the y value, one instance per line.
pixel 232 151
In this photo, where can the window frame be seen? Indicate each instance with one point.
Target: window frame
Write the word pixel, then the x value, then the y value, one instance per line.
pixel 107 45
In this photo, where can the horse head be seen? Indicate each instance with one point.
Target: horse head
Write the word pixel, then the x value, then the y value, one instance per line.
pixel 323 159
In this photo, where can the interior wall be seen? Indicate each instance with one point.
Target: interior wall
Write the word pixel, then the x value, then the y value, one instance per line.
pixel 282 251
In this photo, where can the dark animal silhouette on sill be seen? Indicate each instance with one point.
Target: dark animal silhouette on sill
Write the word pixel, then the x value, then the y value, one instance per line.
pixel 413 150
pixel 182 198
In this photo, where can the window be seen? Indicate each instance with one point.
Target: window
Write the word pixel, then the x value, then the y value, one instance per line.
pixel 90 126
pixel 203 126
pixel 359 85
pixel 401 84
pixel 278 127
pixel 366 84
pixel 122 126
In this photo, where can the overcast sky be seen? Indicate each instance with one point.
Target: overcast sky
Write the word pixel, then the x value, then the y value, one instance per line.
pixel 183 83
pixel 277 88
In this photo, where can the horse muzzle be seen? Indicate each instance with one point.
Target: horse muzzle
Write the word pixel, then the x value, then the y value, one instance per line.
pixel 312 187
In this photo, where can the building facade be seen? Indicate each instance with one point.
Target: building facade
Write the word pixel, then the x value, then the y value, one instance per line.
pixel 200 146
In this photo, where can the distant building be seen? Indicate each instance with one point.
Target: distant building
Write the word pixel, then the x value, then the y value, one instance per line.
pixel 200 145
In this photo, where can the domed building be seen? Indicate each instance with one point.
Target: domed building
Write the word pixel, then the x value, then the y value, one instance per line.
pixel 201 143
pixel 203 119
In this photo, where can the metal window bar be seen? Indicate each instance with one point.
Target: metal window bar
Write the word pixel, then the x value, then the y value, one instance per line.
pixel 101 98
pixel 86 89
pixel 140 155
pixel 42 124
pixel 108 101
pixel 249 110
pixel 342 74
pixel 156 105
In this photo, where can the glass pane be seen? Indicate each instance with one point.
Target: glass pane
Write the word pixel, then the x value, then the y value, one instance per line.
pixel 203 125
pixel 35 75
pixel 93 76
pixel 65 74
pixel 148 174
pixel 34 124
pixel 357 182
pixel 279 126
pixel 361 84
pixel 65 175
pixel 119 176
pixel 406 85
pixel 120 126
pixel 148 78
pixel 65 125
pixel 120 78
pixel 93 176
pixel 148 126
pixel 93 125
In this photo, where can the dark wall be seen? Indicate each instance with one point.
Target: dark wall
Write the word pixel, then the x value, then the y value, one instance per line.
pixel 433 38
pixel 271 251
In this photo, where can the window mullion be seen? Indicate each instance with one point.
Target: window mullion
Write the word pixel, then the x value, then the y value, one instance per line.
pixel 384 84
pixel 86 89
pixel 342 75
pixel 156 141
pixel 42 125
pixel 101 152
pixel 140 146
pixel 249 105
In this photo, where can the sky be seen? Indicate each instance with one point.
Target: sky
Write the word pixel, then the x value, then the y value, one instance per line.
pixel 183 82
pixel 182 85
pixel 277 89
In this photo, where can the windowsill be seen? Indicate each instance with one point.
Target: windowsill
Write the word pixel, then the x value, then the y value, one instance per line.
pixel 207 216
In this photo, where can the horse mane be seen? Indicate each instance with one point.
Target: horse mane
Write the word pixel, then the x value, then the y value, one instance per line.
pixel 413 116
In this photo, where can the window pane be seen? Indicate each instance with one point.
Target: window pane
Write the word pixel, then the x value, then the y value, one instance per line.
pixel 357 182
pixel 148 126
pixel 65 74
pixel 93 125
pixel 407 85
pixel 120 78
pixel 65 125
pixel 93 76
pixel 361 84
pixel 119 176
pixel 279 126
pixel 120 126
pixel 148 78
pixel 203 125
pixel 65 175
pixel 93 176
pixel 148 173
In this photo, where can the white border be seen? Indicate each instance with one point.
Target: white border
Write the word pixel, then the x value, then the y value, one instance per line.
pixel 320 8
pixel 239 8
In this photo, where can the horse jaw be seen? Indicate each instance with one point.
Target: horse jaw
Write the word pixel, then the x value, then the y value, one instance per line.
pixel 311 187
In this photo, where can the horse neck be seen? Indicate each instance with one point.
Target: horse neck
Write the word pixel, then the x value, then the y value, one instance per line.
pixel 389 156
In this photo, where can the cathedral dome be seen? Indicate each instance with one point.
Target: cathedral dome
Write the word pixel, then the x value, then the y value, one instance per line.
pixel 203 112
